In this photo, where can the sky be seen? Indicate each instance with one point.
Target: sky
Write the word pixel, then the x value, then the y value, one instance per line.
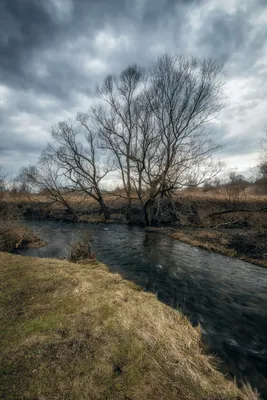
pixel 54 52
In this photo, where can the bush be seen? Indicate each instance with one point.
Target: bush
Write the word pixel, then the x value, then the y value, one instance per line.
pixel 81 250
pixel 13 233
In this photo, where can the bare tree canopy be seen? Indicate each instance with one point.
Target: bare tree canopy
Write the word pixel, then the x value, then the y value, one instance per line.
pixel 155 124
pixel 81 163
pixel 45 178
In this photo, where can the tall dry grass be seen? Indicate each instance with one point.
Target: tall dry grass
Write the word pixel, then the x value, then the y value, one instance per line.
pixel 14 233
pixel 81 249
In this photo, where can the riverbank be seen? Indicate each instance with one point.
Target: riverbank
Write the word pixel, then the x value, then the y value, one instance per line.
pixel 246 245
pixel 78 331
pixel 15 235
pixel 237 229
pixel 182 210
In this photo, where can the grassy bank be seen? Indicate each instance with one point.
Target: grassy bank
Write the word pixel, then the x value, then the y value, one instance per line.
pixel 248 245
pixel 14 234
pixel 76 331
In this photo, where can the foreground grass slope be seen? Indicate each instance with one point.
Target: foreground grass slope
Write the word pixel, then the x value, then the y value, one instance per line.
pixel 76 331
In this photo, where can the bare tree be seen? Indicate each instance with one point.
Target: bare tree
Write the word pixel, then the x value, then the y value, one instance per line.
pixel 155 124
pixel 263 157
pixel 260 175
pixel 81 163
pixel 3 177
pixel 45 178
pixel 118 122
pixel 263 170
pixel 235 188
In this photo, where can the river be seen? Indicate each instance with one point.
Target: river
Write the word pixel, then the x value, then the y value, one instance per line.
pixel 228 297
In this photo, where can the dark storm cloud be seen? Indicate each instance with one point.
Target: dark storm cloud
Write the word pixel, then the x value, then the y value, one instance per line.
pixel 28 27
pixel 54 52
pixel 224 34
pixel 25 26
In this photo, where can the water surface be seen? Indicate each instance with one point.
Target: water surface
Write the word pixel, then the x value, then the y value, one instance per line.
pixel 228 297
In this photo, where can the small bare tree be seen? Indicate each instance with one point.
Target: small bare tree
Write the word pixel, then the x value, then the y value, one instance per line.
pixel 260 175
pixel 235 188
pixel 45 178
pixel 81 163
pixel 3 177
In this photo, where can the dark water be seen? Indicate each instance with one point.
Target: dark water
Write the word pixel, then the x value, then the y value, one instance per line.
pixel 227 296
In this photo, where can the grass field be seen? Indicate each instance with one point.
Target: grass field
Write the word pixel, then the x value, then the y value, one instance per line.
pixel 76 331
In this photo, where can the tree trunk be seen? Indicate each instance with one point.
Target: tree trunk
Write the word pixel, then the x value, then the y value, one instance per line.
pixel 129 189
pixel 147 212
pixel 129 211
pixel 103 206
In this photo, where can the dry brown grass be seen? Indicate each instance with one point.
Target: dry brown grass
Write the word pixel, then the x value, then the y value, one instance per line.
pixel 76 331
pixel 215 241
pixel 13 233
pixel 81 249
pixel 212 241
pixel 250 194
pixel 249 393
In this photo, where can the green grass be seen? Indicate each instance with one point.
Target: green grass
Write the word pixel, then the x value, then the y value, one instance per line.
pixel 75 332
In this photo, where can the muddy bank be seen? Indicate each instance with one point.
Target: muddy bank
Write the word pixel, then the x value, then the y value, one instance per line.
pixel 245 244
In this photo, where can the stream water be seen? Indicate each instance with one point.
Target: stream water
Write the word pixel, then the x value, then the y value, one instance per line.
pixel 228 297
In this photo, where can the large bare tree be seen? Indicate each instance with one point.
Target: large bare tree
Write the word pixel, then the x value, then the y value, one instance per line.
pixel 117 118
pixel 155 125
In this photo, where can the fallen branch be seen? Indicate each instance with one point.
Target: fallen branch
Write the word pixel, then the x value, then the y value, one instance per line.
pixel 237 210
pixel 225 223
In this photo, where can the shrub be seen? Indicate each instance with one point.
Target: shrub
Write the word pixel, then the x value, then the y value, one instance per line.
pixel 81 250
pixel 13 233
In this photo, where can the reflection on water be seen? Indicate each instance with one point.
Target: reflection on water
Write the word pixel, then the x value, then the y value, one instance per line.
pixel 226 296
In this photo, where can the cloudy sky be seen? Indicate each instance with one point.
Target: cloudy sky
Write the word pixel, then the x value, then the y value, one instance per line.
pixel 54 52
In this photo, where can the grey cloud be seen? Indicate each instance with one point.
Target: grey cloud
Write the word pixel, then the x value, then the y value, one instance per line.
pixel 224 33
pixel 238 145
pixel 232 36
pixel 25 25
pixel 43 48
